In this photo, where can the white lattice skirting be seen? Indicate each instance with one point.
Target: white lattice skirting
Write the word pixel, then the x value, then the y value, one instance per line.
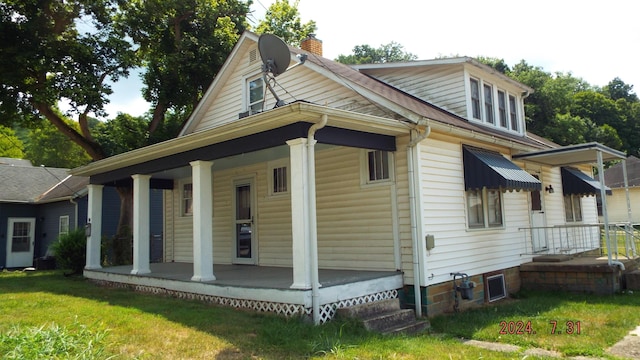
pixel 327 311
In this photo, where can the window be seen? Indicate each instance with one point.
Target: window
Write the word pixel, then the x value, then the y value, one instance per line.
pixel 572 208
pixel 63 225
pixel 378 165
pixel 256 95
pixel 502 109
pixel 475 98
pixel 488 103
pixel 187 199
pixel 513 113
pixel 279 180
pixel 484 208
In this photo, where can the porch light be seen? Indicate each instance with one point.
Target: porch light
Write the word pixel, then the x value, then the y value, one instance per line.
pixel 549 189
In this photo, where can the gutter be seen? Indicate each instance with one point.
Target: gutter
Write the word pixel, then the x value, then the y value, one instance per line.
pixel 422 132
pixel 313 226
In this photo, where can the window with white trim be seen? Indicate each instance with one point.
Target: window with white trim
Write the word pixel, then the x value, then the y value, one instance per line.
pixel 255 95
pixel 484 208
pixel 187 199
pixel 488 103
pixel 63 225
pixel 377 167
pixel 475 98
pixel 513 113
pixel 502 109
pixel 573 208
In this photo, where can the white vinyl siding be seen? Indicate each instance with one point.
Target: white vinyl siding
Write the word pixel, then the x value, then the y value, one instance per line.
pixel 457 249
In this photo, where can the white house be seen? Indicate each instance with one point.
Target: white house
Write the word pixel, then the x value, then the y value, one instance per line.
pixel 368 181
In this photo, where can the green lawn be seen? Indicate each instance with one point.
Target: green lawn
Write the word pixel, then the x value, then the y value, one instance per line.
pixel 44 312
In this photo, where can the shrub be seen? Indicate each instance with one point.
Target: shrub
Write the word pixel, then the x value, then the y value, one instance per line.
pixel 71 251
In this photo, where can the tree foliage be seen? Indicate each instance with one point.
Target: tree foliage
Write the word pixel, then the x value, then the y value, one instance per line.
pixel 283 20
pixel 182 45
pixel 10 144
pixel 365 54
pixel 45 145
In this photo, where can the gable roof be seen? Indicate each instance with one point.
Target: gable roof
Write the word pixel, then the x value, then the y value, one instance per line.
pixel 68 188
pixel 24 183
pixel 401 105
pixel 614 178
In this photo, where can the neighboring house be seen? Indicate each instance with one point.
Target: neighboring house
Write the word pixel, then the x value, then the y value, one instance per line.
pixel 38 204
pixel 423 172
pixel 618 207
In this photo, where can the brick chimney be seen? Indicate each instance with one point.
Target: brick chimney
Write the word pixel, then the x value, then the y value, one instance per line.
pixel 312 45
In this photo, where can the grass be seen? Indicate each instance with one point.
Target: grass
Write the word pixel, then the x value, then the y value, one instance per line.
pixel 74 315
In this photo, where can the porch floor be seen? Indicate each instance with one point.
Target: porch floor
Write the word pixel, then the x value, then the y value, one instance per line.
pixel 250 276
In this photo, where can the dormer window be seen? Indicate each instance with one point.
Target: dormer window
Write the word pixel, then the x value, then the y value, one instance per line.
pixel 493 106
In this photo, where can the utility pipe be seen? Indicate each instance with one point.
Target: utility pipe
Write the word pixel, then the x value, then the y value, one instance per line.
pixel 413 208
pixel 313 226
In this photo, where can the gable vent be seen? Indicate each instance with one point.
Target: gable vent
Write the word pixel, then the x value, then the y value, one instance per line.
pixel 495 287
pixel 253 55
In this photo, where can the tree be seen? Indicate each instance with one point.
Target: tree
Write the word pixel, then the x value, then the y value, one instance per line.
pixel 182 45
pixel 498 64
pixel 617 89
pixel 47 146
pixel 365 54
pixel 10 145
pixel 283 20
pixel 45 58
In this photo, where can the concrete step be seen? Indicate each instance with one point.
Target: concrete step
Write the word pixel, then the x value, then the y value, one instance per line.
pixel 385 317
pixel 367 309
pixel 633 280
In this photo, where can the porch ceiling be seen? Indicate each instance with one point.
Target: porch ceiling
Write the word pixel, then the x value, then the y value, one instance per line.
pixel 572 155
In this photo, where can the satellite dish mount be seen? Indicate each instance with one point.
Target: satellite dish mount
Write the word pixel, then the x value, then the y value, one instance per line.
pixel 276 57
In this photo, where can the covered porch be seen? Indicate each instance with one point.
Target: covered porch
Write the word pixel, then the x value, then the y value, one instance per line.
pixel 260 288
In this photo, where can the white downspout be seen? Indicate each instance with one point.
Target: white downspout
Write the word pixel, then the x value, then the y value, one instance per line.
pixel 411 163
pixel 313 226
pixel 75 212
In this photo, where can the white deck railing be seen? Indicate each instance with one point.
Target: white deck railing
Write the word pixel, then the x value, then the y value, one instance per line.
pixel 574 239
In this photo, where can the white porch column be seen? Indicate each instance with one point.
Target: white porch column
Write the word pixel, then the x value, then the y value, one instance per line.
pixel 202 221
pixel 141 224
pixel 94 217
pixel 299 214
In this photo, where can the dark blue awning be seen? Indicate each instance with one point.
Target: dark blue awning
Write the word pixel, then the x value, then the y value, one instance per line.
pixel 485 168
pixel 575 182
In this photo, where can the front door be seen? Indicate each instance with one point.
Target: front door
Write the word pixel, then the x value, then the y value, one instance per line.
pixel 538 222
pixel 20 242
pixel 244 231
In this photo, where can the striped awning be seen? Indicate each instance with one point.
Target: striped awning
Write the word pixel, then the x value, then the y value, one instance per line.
pixel 485 168
pixel 575 182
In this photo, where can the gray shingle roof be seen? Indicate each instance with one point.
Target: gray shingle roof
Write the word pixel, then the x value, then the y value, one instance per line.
pixel 20 183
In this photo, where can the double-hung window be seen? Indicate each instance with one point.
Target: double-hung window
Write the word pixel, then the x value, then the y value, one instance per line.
pixel 488 103
pixel 187 199
pixel 255 98
pixel 484 208
pixel 513 113
pixel 572 208
pixel 63 225
pixel 502 109
pixel 377 167
pixel 475 98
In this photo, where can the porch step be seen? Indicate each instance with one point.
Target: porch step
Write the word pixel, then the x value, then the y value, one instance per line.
pixel 385 317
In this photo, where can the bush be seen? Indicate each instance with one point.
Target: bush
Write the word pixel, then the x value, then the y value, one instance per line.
pixel 71 251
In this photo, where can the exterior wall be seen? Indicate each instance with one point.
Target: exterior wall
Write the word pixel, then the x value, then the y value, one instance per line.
pixel 457 248
pixel 48 228
pixel 355 221
pixel 617 205
pixel 441 85
pixel 305 83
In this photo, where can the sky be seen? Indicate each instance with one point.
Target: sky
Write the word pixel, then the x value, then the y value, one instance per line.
pixel 593 40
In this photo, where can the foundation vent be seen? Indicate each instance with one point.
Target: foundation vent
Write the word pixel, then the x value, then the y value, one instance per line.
pixel 495 287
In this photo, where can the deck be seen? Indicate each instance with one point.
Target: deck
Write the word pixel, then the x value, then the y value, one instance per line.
pixel 259 288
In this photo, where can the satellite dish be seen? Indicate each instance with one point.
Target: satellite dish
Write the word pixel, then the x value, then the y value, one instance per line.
pixel 274 53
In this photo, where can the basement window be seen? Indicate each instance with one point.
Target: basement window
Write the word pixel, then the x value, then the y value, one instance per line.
pixel 495 287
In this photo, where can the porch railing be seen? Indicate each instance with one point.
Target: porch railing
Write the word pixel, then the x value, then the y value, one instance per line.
pixel 574 239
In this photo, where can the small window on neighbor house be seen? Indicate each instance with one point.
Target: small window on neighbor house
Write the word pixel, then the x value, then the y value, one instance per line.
pixel 63 225
pixel 378 165
pixel 572 208
pixel 256 95
pixel 279 180
pixel 475 98
pixel 502 109
pixel 513 113
pixel 484 208
pixel 488 103
pixel 187 199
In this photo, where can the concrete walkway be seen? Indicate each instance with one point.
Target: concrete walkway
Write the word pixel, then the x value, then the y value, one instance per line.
pixel 628 348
